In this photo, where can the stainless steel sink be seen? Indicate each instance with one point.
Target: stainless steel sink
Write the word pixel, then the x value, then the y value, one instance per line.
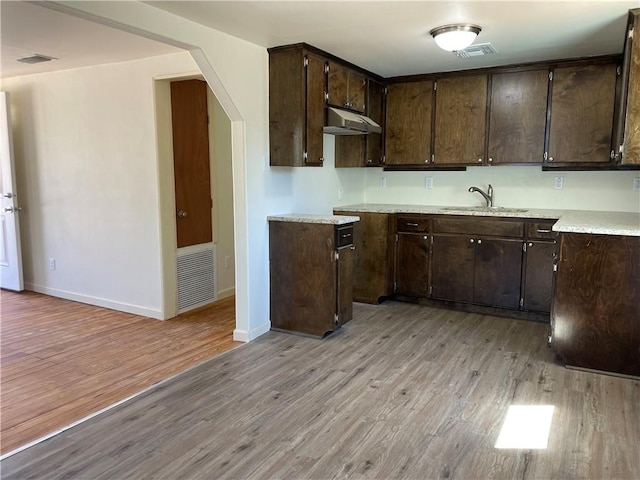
pixel 486 209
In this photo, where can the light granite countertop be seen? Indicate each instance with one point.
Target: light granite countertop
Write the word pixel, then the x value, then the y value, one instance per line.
pixel 574 221
pixel 308 218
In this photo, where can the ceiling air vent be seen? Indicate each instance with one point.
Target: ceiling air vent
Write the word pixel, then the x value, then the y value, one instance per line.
pixel 37 58
pixel 477 50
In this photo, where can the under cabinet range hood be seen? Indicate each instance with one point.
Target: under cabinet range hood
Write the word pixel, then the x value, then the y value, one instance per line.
pixel 343 122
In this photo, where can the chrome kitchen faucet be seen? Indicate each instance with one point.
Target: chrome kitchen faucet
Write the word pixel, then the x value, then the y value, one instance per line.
pixel 487 196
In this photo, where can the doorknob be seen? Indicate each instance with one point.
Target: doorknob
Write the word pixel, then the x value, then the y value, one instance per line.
pixel 12 209
pixel 182 214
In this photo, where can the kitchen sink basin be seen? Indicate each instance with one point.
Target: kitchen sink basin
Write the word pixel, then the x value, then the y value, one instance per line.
pixel 486 209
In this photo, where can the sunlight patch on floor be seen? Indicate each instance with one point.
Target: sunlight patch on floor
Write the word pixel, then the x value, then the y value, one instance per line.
pixel 526 426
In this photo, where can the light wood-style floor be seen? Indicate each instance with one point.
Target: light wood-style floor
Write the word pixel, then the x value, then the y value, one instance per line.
pixel 61 361
pixel 403 391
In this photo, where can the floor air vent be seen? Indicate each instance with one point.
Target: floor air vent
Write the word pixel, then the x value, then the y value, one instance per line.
pixel 196 276
pixel 477 50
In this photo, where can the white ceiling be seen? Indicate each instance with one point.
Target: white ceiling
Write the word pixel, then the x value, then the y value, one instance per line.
pixel 386 37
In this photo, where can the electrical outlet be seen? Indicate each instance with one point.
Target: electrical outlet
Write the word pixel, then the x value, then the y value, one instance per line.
pixel 428 183
pixel 636 184
pixel 340 194
pixel 52 264
pixel 558 183
pixel 382 182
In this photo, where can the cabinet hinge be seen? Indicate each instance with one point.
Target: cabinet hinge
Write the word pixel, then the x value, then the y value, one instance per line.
pixel 385 90
pixel 618 70
pixel 305 156
pixel 630 34
pixel 524 246
pixel 431 239
pixel 521 302
pixel 435 86
pixel 621 148
pixel 430 289
pixel 396 238
pixel 336 318
pixel 326 68
pixel 546 155
pixel 433 158
pixel 555 267
pixel 550 76
pixel 305 62
pixel 337 255
pixel 612 155
pixel 326 97
pixel 384 159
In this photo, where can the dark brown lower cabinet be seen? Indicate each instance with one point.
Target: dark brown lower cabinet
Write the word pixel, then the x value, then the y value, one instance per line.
pixel 595 320
pixel 311 276
pixel 373 274
pixel 538 276
pixel 484 271
pixel 452 268
pixel 412 264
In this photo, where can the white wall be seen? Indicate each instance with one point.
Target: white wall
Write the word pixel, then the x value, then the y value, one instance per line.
pixel 87 174
pixel 514 186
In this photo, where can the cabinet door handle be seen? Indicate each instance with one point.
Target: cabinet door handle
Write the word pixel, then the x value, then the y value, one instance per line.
pixel 540 230
pixel 472 240
pixel 412 224
pixel 345 235
pixel 479 242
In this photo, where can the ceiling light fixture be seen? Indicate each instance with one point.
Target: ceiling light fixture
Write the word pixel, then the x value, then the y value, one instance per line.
pixel 456 36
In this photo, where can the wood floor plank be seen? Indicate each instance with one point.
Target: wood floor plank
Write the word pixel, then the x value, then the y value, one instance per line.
pixel 61 361
pixel 402 391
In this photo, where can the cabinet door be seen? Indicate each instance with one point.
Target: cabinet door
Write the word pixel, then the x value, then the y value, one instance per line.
pixel 315 77
pixel 344 294
pixel 498 270
pixel 372 277
pixel 347 88
pixel 517 117
pixel 412 264
pixel 452 266
pixel 538 276
pixel 375 111
pixel 461 106
pixel 631 154
pixel 408 123
pixel 581 124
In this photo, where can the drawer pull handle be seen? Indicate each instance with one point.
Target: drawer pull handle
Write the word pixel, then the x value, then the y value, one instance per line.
pixel 412 224
pixel 544 230
pixel 345 235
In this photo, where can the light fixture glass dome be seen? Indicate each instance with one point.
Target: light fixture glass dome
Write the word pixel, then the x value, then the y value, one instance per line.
pixel 455 37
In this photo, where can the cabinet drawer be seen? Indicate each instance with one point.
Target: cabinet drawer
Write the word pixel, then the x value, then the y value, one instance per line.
pixel 541 230
pixel 344 236
pixel 407 223
pixel 475 226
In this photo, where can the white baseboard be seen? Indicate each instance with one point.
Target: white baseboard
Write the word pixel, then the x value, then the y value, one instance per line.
pixel 227 292
pixel 98 302
pixel 244 336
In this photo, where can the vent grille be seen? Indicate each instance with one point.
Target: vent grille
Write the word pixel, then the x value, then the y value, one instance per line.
pixel 196 277
pixel 36 59
pixel 478 50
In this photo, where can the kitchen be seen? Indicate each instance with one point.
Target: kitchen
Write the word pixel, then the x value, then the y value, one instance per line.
pixel 320 190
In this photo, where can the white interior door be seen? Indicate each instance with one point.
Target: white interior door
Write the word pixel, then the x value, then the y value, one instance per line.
pixel 10 252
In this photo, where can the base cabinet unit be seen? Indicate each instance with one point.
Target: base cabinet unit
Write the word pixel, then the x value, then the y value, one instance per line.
pixel 540 254
pixel 311 268
pixel 595 322
pixel 373 274
pixel 413 245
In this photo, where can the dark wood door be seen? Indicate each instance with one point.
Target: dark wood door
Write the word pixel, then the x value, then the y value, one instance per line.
pixel 347 88
pixel 190 124
pixel 408 123
pixel 517 117
pixel 412 264
pixel 344 295
pixel 452 268
pixel 373 256
pixel 498 268
pixel 581 123
pixel 538 276
pixel 357 92
pixel 315 85
pixel 460 120
pixel 596 306
pixel 631 101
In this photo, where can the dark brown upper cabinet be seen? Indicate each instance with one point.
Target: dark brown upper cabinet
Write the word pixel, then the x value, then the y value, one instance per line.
pixel 460 120
pixel 364 150
pixel 297 104
pixel 408 123
pixel 627 141
pixel 517 117
pixel 581 117
pixel 346 87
